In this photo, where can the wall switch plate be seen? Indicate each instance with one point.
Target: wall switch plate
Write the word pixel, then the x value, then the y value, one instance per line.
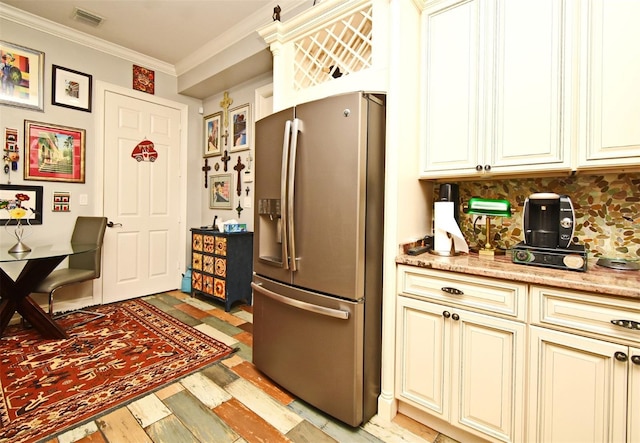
pixel 83 200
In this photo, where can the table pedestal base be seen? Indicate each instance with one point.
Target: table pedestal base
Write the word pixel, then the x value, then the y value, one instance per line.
pixel 15 297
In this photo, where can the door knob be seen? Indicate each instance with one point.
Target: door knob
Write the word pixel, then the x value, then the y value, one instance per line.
pixel 111 224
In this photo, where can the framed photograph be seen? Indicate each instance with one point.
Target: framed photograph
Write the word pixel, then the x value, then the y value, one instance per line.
pixel 240 128
pixel 221 191
pixel 212 134
pixel 53 153
pixel 22 76
pixel 71 89
pixel 27 197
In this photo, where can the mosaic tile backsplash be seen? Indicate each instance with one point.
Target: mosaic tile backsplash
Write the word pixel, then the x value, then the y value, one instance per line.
pixel 607 211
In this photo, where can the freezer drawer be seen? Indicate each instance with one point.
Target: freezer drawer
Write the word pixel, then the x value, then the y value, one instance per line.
pixel 312 346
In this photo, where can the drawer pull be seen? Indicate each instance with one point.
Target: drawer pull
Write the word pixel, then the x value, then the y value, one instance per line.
pixel 635 359
pixel 446 314
pixel 628 324
pixel 450 290
pixel 456 317
pixel 620 356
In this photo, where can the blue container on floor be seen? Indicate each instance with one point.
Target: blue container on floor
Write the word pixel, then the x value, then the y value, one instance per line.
pixel 186 281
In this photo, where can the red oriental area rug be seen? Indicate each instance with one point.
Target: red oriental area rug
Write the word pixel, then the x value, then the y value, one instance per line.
pixel 49 385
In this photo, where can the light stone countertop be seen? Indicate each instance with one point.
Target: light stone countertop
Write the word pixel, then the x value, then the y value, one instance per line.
pixel 596 279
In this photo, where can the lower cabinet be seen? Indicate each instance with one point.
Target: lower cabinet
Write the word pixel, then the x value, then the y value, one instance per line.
pixel 578 389
pixel 584 381
pixel 471 357
pixel 463 367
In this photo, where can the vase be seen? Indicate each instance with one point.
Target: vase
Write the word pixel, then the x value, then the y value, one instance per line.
pixel 20 233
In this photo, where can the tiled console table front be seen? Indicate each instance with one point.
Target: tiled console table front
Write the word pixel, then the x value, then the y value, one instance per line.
pixel 221 265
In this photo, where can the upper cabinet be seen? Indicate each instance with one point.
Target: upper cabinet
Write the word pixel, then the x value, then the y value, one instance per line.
pixel 496 87
pixel 334 47
pixel 609 114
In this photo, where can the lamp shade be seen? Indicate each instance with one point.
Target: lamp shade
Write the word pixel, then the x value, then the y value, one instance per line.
pixel 488 206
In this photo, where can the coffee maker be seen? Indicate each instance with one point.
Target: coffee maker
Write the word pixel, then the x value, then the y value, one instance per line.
pixel 548 223
pixel 548 220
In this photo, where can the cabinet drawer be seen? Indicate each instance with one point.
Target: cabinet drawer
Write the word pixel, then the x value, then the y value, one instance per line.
pixel 480 293
pixel 585 313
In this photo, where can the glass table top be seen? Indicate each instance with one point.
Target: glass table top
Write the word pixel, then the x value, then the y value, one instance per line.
pixel 45 250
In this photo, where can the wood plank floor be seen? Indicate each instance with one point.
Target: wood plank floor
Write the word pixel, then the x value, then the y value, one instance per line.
pixel 230 401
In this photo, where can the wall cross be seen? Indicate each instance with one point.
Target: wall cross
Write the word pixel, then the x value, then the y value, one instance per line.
pixel 206 168
pixel 225 159
pixel 224 104
pixel 239 167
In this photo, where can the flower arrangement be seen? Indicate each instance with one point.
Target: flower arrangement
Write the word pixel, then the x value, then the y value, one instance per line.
pixel 17 211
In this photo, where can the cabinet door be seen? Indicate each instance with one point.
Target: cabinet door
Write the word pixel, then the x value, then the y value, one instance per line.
pixel 610 93
pixel 452 64
pixel 578 390
pixel 488 375
pixel 423 360
pixel 528 99
pixel 633 433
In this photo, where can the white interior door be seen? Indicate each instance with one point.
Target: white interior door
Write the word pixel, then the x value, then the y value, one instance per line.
pixel 141 198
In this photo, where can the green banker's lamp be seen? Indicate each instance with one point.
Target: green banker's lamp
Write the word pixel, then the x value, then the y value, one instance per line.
pixel 488 208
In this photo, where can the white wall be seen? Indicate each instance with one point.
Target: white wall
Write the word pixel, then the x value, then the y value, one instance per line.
pixel 107 68
pixel 240 94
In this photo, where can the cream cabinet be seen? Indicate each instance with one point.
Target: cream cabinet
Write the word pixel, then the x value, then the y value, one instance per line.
pixel 496 87
pixel 609 133
pixel 335 47
pixel 455 360
pixel 584 380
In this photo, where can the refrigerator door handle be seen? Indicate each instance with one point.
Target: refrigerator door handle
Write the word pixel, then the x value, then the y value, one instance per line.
pixel 283 195
pixel 335 313
pixel 295 128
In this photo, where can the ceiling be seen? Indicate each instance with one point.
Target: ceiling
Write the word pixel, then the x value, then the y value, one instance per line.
pixel 171 31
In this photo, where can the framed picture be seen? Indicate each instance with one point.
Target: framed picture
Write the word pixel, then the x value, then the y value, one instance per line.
pixel 144 79
pixel 29 197
pixel 53 153
pixel 212 134
pixel 22 79
pixel 240 128
pixel 71 89
pixel 221 191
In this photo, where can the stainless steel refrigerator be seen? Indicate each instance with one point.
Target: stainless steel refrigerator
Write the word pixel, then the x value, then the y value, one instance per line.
pixel 317 256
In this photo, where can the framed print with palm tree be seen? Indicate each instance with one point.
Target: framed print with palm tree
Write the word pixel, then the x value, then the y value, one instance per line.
pixel 53 153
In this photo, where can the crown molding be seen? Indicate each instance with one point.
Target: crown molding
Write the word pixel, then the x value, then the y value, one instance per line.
pixel 240 31
pixel 40 24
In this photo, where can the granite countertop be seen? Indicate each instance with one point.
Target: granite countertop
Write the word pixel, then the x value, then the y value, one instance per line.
pixel 596 279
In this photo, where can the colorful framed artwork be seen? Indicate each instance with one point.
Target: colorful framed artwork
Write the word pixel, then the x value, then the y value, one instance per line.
pixel 53 153
pixel 221 191
pixel 144 79
pixel 212 134
pixel 61 201
pixel 240 128
pixel 22 76
pixel 70 89
pixel 30 198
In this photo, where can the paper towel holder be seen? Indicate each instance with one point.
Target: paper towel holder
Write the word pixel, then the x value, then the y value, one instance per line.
pixel 450 253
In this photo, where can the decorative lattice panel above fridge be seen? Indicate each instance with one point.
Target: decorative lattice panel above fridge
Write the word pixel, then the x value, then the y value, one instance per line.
pixel 340 48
